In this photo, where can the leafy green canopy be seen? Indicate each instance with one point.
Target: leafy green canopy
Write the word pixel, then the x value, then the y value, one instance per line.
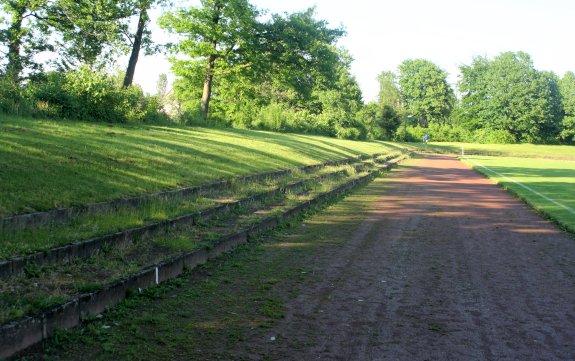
pixel 425 91
pixel 227 55
pixel 389 93
pixel 77 32
pixel 509 94
pixel 217 38
pixel 567 89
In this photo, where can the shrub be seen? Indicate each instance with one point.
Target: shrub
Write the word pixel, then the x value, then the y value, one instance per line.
pixel 410 133
pixel 493 136
pixel 436 132
pixel 349 133
pixel 303 122
pixel 93 96
pixel 271 117
pixel 12 98
pixel 49 95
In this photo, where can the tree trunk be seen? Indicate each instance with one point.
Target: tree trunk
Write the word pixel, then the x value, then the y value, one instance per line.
pixel 207 93
pixel 129 78
pixel 14 66
pixel 208 80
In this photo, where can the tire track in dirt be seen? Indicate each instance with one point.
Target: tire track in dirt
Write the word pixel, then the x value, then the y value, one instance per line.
pixel 447 266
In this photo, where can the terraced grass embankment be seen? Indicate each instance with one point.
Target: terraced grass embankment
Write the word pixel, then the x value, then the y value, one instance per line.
pixel 109 274
pixel 54 164
pixel 50 239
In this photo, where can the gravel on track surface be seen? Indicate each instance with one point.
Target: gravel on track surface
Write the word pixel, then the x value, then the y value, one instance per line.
pixel 447 266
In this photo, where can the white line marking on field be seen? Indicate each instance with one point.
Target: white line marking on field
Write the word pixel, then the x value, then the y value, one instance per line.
pixel 568 209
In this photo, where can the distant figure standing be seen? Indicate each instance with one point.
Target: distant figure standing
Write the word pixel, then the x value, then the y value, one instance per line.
pixel 425 139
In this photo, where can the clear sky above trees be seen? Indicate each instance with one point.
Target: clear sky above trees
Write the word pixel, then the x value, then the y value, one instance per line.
pixel 380 35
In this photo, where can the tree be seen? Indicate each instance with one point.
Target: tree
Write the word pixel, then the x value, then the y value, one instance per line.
pixel 89 32
pixel 509 94
pixel 79 31
pixel 288 59
pixel 18 37
pixel 218 39
pixel 382 122
pixel 300 57
pixel 137 42
pixel 340 101
pixel 567 88
pixel 425 91
pixel 141 39
pixel 389 93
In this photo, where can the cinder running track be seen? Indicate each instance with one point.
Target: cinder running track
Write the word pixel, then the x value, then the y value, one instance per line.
pixel 446 267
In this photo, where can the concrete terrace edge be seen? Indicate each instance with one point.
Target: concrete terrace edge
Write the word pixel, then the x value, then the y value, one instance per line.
pixel 22 333
pixel 87 248
pixel 62 214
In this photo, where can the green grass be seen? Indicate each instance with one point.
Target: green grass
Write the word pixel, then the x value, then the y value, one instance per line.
pixel 229 300
pixel 49 164
pixel 20 241
pixel 67 279
pixel 565 152
pixel 554 180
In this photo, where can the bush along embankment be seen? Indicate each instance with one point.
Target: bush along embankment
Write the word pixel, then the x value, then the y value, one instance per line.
pixel 82 94
pixel 59 295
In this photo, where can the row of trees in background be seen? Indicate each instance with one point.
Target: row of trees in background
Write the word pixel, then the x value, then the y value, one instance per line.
pixel 501 100
pixel 238 66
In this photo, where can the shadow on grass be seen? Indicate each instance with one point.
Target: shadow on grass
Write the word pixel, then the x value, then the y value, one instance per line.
pixel 45 165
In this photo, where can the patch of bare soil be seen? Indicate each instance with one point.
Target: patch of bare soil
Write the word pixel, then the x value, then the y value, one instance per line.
pixel 446 267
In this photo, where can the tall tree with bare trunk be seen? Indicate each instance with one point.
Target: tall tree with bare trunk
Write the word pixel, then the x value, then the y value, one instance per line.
pixel 217 38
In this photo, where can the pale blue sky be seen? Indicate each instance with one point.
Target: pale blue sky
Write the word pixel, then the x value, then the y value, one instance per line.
pixel 381 34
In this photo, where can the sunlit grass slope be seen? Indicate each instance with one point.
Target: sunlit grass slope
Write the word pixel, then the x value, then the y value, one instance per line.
pixel 508 150
pixel 548 185
pixel 50 164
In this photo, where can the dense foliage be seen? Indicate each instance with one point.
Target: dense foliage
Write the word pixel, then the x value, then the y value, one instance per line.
pixel 425 91
pixel 567 90
pixel 279 72
pixel 508 94
pixel 285 74
pixel 501 100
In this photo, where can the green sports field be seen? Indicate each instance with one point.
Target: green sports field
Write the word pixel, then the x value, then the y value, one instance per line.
pixel 565 152
pixel 548 185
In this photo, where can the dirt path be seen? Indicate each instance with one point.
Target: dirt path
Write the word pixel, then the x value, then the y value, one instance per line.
pixel 446 267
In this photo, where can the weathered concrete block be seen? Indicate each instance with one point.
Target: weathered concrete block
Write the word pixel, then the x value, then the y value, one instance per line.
pixel 262 226
pixel 61 317
pixel 90 247
pixel 97 302
pixel 227 244
pixel 195 258
pixel 290 213
pixel 5 269
pixel 141 280
pixel 19 334
pixel 18 265
pixel 170 269
pixel 186 220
